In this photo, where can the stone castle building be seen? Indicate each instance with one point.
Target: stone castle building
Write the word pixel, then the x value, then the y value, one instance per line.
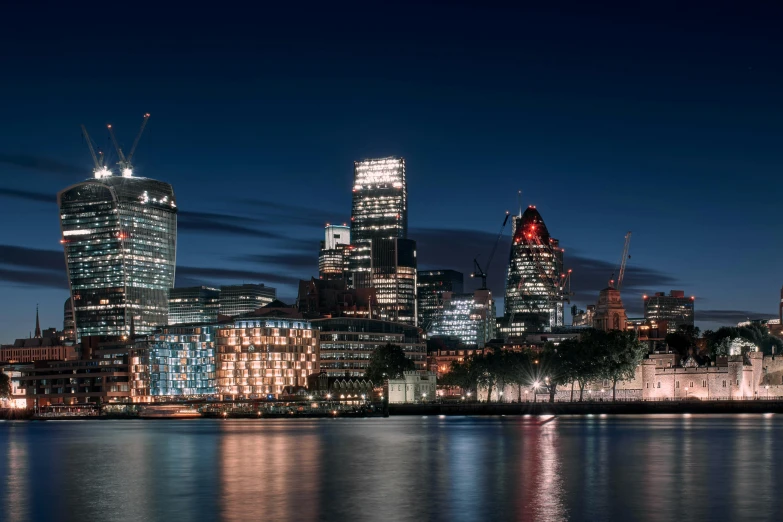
pixel 663 376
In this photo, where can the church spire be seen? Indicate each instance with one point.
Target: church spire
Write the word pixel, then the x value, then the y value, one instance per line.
pixel 37 324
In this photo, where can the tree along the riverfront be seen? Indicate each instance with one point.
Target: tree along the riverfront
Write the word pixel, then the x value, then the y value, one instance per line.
pixel 5 385
pixel 594 355
pixel 388 362
pixel 757 334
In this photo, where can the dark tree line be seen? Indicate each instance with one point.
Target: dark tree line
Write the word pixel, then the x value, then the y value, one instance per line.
pixel 594 355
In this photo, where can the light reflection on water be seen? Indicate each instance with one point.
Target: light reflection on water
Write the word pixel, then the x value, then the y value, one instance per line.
pixel 405 468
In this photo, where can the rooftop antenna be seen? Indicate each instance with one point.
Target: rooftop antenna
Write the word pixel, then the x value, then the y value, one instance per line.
pixel 519 200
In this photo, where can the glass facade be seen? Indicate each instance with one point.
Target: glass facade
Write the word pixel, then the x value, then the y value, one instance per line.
pixel 347 343
pixel 261 357
pixel 535 269
pixel 241 299
pixel 430 287
pixel 469 317
pixel 379 211
pixel 69 327
pixel 120 238
pixel 393 276
pixel 676 309
pixel 193 305
pixel 179 362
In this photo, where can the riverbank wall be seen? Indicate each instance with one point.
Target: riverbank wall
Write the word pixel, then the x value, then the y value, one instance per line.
pixel 585 408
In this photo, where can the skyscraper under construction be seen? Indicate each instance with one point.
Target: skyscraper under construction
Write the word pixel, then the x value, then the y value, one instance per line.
pixel 535 273
pixel 119 233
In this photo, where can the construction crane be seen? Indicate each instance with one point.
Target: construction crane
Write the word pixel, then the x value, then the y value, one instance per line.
pixel 100 167
pixel 477 270
pixel 624 260
pixel 125 161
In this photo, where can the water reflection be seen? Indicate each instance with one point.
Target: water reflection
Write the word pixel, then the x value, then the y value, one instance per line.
pixel 455 469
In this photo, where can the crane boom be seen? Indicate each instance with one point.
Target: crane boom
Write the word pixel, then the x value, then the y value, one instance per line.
pixel 477 270
pixel 624 260
pixel 138 137
pixel 92 150
pixel 123 161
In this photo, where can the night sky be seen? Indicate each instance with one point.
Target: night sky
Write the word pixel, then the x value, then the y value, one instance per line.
pixel 666 120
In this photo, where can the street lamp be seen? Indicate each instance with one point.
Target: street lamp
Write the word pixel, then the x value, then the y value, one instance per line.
pixel 767 388
pixel 423 397
pixel 686 392
pixel 328 395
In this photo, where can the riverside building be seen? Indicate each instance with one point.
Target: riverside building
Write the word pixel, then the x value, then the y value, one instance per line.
pixel 262 357
pixel 346 344
pixel 119 234
pixel 179 361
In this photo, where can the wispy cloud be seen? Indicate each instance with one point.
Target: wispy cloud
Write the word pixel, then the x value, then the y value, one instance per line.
pixel 216 223
pixel 28 195
pixel 306 261
pixel 42 164
pixel 213 276
pixel 32 267
pixel 729 316
pixel 299 215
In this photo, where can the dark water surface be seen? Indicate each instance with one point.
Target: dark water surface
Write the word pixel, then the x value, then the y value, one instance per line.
pixel 678 467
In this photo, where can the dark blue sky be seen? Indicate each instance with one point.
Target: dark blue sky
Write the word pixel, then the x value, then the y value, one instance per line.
pixel 666 120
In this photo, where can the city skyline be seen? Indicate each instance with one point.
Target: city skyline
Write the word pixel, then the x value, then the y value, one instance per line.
pixel 682 163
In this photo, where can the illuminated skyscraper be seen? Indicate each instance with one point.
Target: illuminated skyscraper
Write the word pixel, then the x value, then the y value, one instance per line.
pixel 333 258
pixel 120 240
pixel 381 256
pixel 380 211
pixel 535 269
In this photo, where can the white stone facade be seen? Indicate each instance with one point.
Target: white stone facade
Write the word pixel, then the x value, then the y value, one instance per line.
pixel 413 387
pixel 737 377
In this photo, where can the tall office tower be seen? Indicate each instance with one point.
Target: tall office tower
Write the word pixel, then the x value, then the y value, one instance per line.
pixel 120 240
pixel 194 305
pixel 241 299
pixel 333 257
pixel 430 287
pixel 469 317
pixel 393 276
pixel 535 269
pixel 676 309
pixel 69 328
pixel 380 211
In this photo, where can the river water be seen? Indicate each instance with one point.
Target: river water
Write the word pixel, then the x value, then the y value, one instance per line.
pixel 677 467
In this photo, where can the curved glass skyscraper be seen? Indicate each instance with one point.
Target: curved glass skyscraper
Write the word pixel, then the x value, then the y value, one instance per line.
pixel 535 268
pixel 120 240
